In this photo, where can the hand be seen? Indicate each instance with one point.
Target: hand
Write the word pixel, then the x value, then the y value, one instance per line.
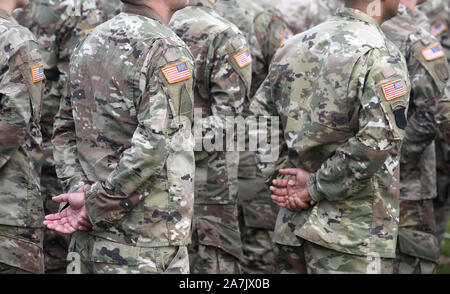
pixel 74 217
pixel 293 193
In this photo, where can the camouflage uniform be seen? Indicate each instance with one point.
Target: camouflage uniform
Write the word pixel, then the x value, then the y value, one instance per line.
pixel 340 126
pixel 438 12
pixel 222 86
pixel 58 27
pixel 21 205
pixel 418 247
pixel 265 31
pixel 125 130
pixel 303 15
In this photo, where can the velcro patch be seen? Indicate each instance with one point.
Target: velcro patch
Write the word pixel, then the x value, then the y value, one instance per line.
pixel 177 72
pixel 243 58
pixel 287 34
pixel 432 53
pixel 86 32
pixel 394 90
pixel 37 73
pixel 438 28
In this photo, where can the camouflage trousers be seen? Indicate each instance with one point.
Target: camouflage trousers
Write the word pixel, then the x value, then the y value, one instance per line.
pixel 418 248
pixel 205 259
pixel 92 255
pixel 21 250
pixel 311 258
pixel 257 217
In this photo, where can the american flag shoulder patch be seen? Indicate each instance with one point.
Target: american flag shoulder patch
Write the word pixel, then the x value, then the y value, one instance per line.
pixel 438 28
pixel 177 72
pixel 287 34
pixel 432 53
pixel 394 89
pixel 37 73
pixel 243 58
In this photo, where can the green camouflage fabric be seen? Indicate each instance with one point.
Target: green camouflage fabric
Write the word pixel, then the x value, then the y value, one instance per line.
pixel 21 205
pixel 303 15
pixel 265 31
pixel 339 125
pixel 222 86
pixel 438 12
pixel 418 158
pixel 99 256
pixel 58 27
pixel 125 129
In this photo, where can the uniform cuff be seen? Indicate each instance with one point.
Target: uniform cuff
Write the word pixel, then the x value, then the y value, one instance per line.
pixel 313 190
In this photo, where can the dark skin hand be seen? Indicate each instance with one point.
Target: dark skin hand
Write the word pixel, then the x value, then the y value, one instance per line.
pixel 73 218
pixel 292 193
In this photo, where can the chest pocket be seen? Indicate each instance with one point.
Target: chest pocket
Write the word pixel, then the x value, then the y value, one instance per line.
pixel 433 59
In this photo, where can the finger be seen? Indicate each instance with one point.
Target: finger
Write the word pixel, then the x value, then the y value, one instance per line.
pixel 279 192
pixel 51 217
pixel 277 198
pixel 290 171
pixel 280 183
pixel 61 198
pixel 312 202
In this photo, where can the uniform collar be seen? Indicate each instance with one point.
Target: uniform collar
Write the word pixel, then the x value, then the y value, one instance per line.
pixel 141 10
pixel 358 15
pixel 204 3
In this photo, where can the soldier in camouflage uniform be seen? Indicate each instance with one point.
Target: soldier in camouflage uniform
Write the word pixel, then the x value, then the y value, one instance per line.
pixel 58 27
pixel 123 144
pixel 222 85
pixel 344 129
pixel 418 247
pixel 21 205
pixel 438 12
pixel 301 15
pixel 265 31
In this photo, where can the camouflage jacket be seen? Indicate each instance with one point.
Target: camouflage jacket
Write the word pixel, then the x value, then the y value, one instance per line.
pixel 265 32
pixel 343 115
pixel 58 27
pixel 443 115
pixel 21 89
pixel 429 72
pixel 303 15
pixel 126 130
pixel 222 85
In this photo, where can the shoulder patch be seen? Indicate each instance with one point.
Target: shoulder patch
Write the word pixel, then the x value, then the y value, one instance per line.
pixel 394 89
pixel 438 28
pixel 86 32
pixel 37 73
pixel 177 72
pixel 287 34
pixel 243 58
pixel 432 53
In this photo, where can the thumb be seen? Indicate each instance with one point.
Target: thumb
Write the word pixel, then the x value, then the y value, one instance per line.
pixel 61 198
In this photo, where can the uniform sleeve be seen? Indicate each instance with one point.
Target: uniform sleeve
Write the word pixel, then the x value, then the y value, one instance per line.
pixel 229 84
pixel 21 95
pixel 264 109
pixel 108 202
pixel 443 114
pixel 427 85
pixel 271 31
pixel 382 119
pixel 65 153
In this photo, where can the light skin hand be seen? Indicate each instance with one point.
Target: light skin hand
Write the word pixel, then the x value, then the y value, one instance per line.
pixel 73 218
